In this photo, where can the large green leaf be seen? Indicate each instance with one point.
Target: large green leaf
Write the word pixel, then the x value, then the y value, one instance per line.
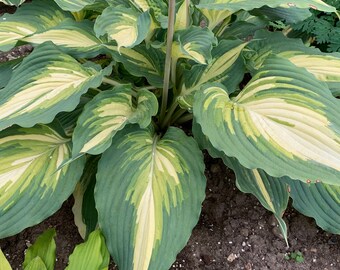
pixel 46 83
pixel 236 5
pixel 142 62
pixel 31 188
pixel 226 67
pixel 4 264
pixel 157 186
pixel 12 2
pixel 6 70
pixel 27 20
pixel 108 113
pixel 44 248
pixel 126 26
pixel 91 255
pixel 84 208
pixel 283 122
pixel 74 5
pixel 324 66
pixel 75 38
pixel 319 201
pixel 271 192
pixel 194 43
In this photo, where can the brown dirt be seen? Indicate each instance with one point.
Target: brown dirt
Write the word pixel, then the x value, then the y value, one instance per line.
pixel 234 232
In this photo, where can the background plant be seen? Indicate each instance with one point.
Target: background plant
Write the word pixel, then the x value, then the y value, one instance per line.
pixel 95 111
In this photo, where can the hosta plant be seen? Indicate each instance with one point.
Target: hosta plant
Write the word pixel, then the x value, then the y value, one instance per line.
pixel 97 108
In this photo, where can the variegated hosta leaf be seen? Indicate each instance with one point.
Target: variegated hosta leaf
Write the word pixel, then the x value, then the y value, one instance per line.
pixel 74 5
pixel 75 38
pixel 215 16
pixel 12 2
pixel 283 122
pixel 183 16
pixel 91 255
pixel 319 201
pixel 157 187
pixel 194 43
pixel 271 192
pixel 46 83
pixel 30 187
pixel 108 113
pixel 126 26
pixel 27 20
pixel 142 62
pixel 236 5
pixel 226 67
pixel 324 66
pixel 44 248
pixel 4 264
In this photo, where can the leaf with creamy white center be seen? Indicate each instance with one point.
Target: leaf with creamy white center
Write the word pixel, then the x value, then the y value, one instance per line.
pixel 75 38
pixel 215 17
pixel 226 67
pixel 4 264
pixel 47 82
pixel 126 26
pixel 183 16
pixel 108 113
pixel 236 5
pixel 74 5
pixel 270 191
pixel 319 201
pixel 284 117
pixel 324 66
pixel 158 185
pixel 29 180
pixel 44 248
pixel 194 43
pixel 27 20
pixel 90 255
pixel 141 61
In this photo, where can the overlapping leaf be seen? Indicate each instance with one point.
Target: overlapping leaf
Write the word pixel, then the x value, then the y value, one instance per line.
pixel 271 192
pixel 236 5
pixel 108 113
pixel 29 180
pixel 74 5
pixel 324 66
pixel 84 208
pixel 46 83
pixel 226 67
pixel 215 17
pixel 194 43
pixel 283 122
pixel 91 255
pixel 4 264
pixel 75 38
pixel 12 2
pixel 142 62
pixel 27 20
pixel 157 186
pixel 44 248
pixel 318 200
pixel 6 70
pixel 126 26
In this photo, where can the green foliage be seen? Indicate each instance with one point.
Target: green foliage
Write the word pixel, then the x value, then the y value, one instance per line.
pixel 296 256
pixel 96 109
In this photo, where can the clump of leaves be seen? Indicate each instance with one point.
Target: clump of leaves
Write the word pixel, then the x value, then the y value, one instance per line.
pixel 296 256
pixel 96 110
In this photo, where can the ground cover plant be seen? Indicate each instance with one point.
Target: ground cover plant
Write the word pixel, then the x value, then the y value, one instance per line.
pixel 96 109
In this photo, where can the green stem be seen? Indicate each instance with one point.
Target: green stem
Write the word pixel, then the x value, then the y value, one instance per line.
pixel 177 115
pixel 184 118
pixel 170 112
pixel 111 82
pixel 167 68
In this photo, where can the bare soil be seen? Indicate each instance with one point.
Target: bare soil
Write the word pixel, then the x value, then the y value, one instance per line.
pixel 234 232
